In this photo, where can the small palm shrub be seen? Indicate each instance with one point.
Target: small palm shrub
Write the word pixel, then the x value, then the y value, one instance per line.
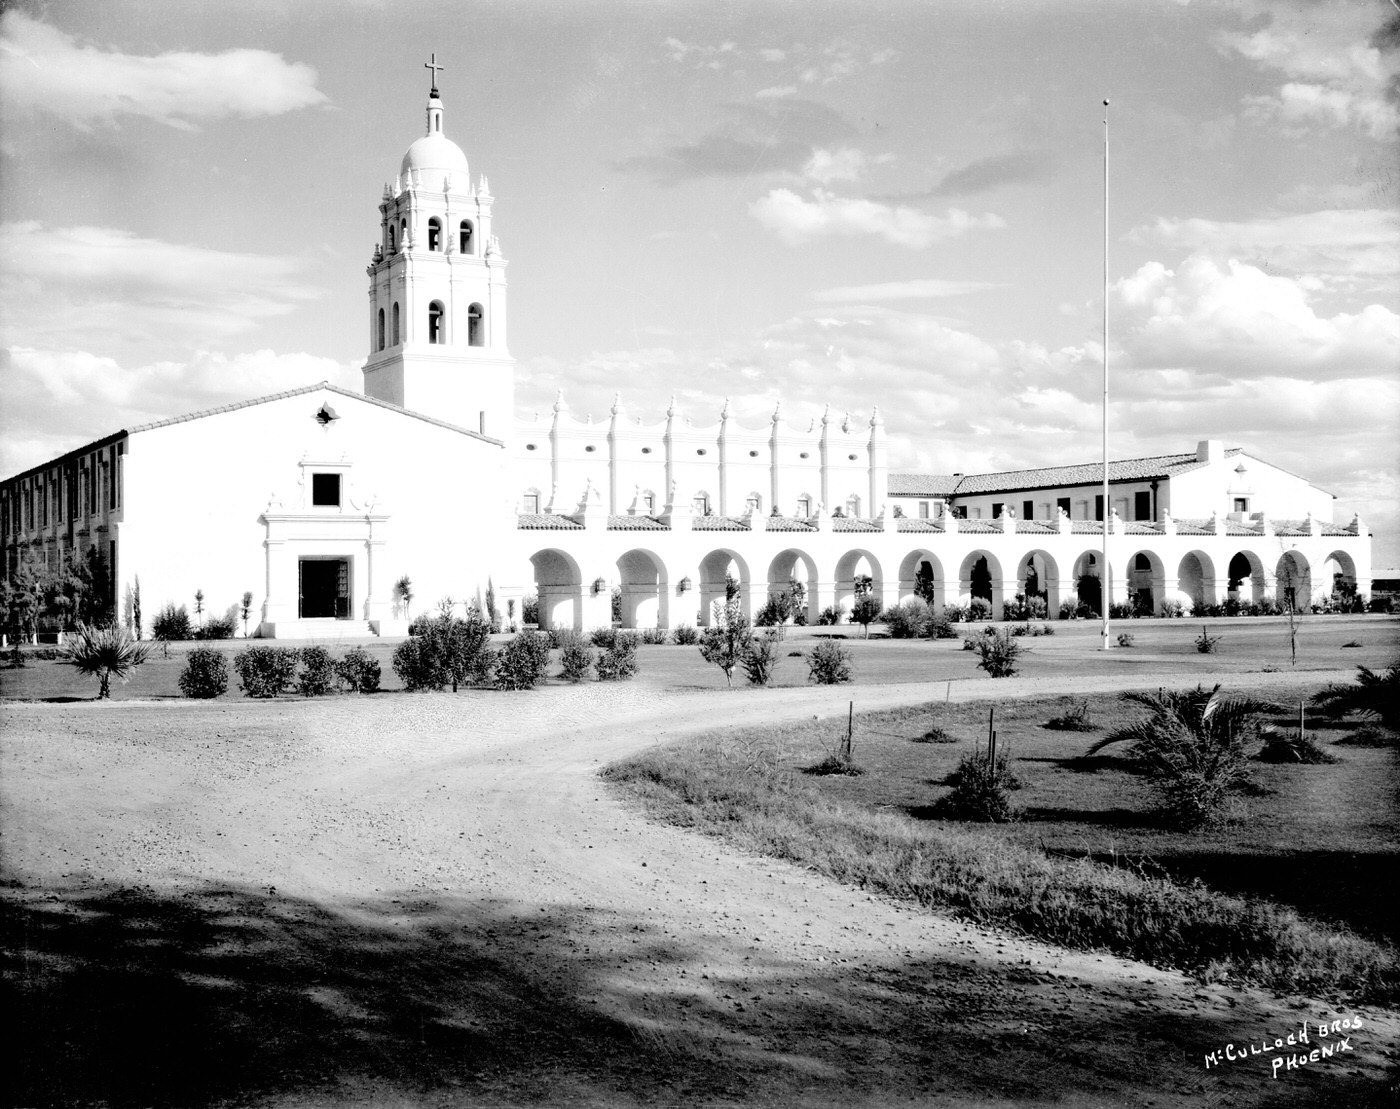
pixel 761 659
pixel 619 662
pixel 909 620
pixel 1282 747
pixel 683 635
pixel 205 674
pixel 523 661
pixel 317 674
pixel 1375 696
pixel 171 624
pixel 104 653
pixel 575 658
pixel 265 671
pixel 980 787
pixel 358 671
pixel 828 663
pixel 1205 642
pixel 997 654
pixel 1193 744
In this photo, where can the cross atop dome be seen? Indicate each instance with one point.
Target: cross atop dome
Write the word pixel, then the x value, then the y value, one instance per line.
pixel 432 64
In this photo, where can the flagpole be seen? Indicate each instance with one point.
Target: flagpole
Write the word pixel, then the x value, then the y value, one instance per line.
pixel 1105 580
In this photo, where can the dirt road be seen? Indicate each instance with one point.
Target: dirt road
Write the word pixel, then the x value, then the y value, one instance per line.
pixel 433 900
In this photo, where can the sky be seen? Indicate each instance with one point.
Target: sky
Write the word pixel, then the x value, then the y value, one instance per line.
pixel 884 202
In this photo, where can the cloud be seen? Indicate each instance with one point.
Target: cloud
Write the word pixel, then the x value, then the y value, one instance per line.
pixel 1351 242
pixel 844 164
pixel 797 220
pixel 58 400
pixel 95 287
pixel 990 173
pixel 921 289
pixel 776 135
pixel 1342 69
pixel 44 69
pixel 1236 320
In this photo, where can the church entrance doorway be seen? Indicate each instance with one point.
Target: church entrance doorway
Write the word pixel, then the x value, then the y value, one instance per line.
pixel 324 589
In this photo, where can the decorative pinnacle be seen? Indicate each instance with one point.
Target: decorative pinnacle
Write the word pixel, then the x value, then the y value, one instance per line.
pixel 671 408
pixel 617 408
pixel 559 405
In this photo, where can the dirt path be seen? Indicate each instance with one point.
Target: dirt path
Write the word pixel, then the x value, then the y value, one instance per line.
pixel 434 900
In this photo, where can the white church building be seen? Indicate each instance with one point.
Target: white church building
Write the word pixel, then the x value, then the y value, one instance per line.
pixel 336 496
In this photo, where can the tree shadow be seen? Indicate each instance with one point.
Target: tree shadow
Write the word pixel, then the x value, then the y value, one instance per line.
pixel 126 997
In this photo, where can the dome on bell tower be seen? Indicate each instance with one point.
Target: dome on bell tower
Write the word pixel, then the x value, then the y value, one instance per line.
pixel 434 157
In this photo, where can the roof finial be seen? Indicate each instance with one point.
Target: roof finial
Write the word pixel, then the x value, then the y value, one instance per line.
pixel 435 68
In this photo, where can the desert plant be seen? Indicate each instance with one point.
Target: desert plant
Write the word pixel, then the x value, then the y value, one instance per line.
pixel 317 673
pixel 265 671
pixel 1073 719
pixel 1375 696
pixel 171 623
pixel 683 635
pixel 104 653
pixel 1193 744
pixel 205 674
pixel 727 640
pixel 828 663
pixel 575 659
pixel 997 653
pixel 522 662
pixel 1205 642
pixel 358 671
pixel 761 659
pixel 980 786
pixel 619 662
pixel 1125 639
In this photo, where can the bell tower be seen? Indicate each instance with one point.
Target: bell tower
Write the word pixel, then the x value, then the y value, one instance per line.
pixel 437 290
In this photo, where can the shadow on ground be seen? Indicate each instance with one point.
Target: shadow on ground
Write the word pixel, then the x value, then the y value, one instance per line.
pixel 124 997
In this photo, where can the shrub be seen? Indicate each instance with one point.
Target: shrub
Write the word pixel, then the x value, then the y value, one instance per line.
pixel 317 674
pixel 828 663
pixel 619 662
pixel 955 614
pixel 683 635
pixel 727 640
pixel 575 659
pixel 205 674
pixel 776 611
pixel 1380 604
pixel 1280 747
pixel 654 636
pixel 1172 609
pixel 761 659
pixel 265 671
pixel 1205 642
pixel 602 637
pixel 358 671
pixel 1122 610
pixel 216 627
pixel 1069 609
pixel 910 620
pixel 1046 629
pixel 1017 631
pixel 979 790
pixel 979 608
pixel 104 653
pixel 447 650
pixel 834 764
pixel 830 616
pixel 1073 719
pixel 935 734
pixel 997 654
pixel 419 624
pixel 1375 696
pixel 1125 639
pixel 171 624
pixel 522 661
pixel 941 627
pixel 1192 744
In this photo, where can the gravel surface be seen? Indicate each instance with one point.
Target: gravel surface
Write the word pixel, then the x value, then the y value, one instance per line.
pixel 432 899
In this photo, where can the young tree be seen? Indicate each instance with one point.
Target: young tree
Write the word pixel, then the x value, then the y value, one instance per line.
pixel 727 640
pixel 403 590
pixel 199 605
pixel 23 596
pixel 865 611
pixel 245 606
pixel 104 653
pixel 797 592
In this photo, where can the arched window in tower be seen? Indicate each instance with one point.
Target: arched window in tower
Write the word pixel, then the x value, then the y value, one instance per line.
pixel 464 233
pixel 381 330
pixel 435 234
pixel 437 329
pixel 476 327
pixel 392 239
pixel 396 323
pixel 403 233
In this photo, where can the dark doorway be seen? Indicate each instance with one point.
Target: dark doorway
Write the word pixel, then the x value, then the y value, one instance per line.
pixel 325 589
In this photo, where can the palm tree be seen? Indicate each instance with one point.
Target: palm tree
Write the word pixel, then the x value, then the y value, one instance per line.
pixel 1193 744
pixel 1375 696
pixel 103 653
